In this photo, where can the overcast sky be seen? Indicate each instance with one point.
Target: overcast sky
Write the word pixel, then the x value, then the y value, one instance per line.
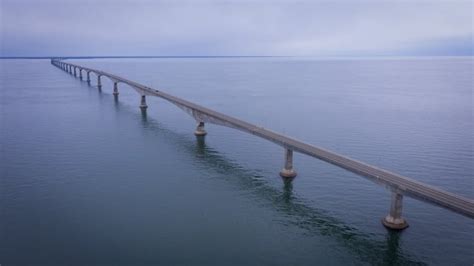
pixel 260 27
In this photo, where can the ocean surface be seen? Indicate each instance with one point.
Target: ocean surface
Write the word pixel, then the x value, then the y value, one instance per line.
pixel 89 180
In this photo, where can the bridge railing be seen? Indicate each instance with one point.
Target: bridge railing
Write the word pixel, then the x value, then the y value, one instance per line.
pixel 399 185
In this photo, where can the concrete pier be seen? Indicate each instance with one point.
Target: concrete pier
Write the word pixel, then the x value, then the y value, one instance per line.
pixel 75 75
pixel 115 93
pixel 88 76
pixel 80 74
pixel 394 219
pixel 143 105
pixel 99 82
pixel 288 171
pixel 200 130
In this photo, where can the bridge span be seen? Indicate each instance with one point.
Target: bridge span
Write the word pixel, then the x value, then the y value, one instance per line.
pixel 398 185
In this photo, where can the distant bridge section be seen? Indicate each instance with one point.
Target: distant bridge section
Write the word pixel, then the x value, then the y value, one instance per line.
pixel 399 185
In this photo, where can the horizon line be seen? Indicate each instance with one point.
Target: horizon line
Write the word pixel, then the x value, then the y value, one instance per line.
pixel 137 56
pixel 224 56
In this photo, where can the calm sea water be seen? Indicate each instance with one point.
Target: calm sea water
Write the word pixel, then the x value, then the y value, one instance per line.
pixel 87 179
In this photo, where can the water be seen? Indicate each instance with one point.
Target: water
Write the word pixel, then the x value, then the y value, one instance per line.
pixel 89 180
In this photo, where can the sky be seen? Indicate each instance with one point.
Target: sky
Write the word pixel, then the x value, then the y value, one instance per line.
pixel 245 28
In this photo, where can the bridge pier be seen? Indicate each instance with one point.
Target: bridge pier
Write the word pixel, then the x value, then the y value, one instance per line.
pixel 143 105
pixel 88 77
pixel 115 93
pixel 99 83
pixel 80 74
pixel 200 130
pixel 288 171
pixel 394 219
pixel 75 75
pixel 69 69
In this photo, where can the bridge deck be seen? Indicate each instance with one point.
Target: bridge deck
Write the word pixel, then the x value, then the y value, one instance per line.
pixel 398 183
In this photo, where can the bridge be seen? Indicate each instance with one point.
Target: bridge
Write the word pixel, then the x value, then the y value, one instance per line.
pixel 398 185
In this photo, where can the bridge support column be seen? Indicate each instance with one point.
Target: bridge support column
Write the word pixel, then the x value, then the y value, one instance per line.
pixel 394 219
pixel 69 69
pixel 115 93
pixel 75 75
pixel 99 83
pixel 143 105
pixel 80 74
pixel 88 77
pixel 288 171
pixel 200 130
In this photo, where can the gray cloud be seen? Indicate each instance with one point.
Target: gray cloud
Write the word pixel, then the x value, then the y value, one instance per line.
pixel 263 27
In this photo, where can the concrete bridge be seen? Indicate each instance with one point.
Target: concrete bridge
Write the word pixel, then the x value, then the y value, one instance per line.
pixel 398 185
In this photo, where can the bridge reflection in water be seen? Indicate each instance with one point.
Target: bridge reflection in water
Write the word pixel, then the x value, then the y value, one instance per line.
pixel 399 185
pixel 296 212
